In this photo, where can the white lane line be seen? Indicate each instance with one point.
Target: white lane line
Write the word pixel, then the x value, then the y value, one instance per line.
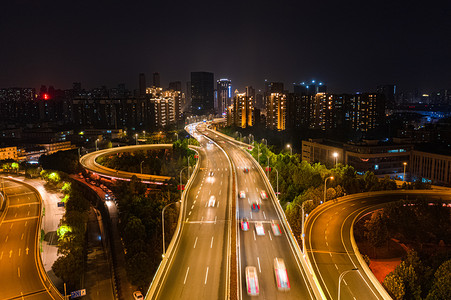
pixel 186 219
pixel 254 235
pixel 18 271
pixel 218 203
pixel 209 193
pixel 330 254
pixel 345 281
pixel 216 218
pixel 251 215
pixel 194 202
pixel 220 192
pixel 186 275
pixel 247 189
pixel 254 180
pixel 336 267
pixel 211 244
pixel 28 214
pixel 256 189
pixel 264 215
pixel 327 244
pixel 189 213
pixel 201 220
pixel 11 225
pixel 221 182
pixel 269 233
pixel 259 268
pixel 6 239
pixel 192 206
pixel 197 196
pixel 26 222
pixel 206 276
pixel 195 243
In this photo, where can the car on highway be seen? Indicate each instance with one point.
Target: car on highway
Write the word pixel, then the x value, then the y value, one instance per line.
pixel 212 201
pixel 275 228
pixel 252 281
pixel 246 170
pixel 137 295
pixel 255 206
pixel 242 194
pixel 211 174
pixel 259 229
pixel 280 272
pixel 263 195
pixel 244 224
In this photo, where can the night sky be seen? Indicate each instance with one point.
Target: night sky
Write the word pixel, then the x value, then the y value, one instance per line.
pixel 351 46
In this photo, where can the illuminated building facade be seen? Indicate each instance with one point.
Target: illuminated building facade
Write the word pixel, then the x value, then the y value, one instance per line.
pixel 242 110
pixel 223 95
pixel 276 108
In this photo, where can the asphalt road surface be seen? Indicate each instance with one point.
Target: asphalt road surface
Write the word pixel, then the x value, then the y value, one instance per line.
pixel 328 241
pixel 198 269
pixel 260 251
pixel 19 263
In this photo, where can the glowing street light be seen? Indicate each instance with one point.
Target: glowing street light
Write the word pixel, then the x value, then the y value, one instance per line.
pixel 325 188
pixel 335 155
pixel 404 176
pixel 136 138
pixel 97 149
pixel 291 149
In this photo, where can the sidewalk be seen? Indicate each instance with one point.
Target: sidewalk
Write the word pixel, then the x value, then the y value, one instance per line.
pixel 97 280
pixel 52 215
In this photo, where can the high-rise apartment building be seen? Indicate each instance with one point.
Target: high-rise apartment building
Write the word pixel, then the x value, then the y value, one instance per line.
pixel 202 93
pixel 276 107
pixel 367 111
pixel 242 110
pixel 223 95
pixel 389 91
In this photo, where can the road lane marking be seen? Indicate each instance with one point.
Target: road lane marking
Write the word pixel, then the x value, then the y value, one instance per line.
pixel 189 213
pixel 192 206
pixel 327 244
pixel 254 235
pixel 201 220
pixel 18 271
pixel 220 192
pixel 254 180
pixel 216 218
pixel 197 196
pixel 336 267
pixel 218 203
pixel 195 243
pixel 186 275
pixel 211 244
pixel 264 215
pixel 209 192
pixel 21 219
pixel 10 253
pixel 19 251
pixel 345 281
pixel 259 268
pixel 10 227
pixel 256 189
pixel 206 276
pixel 194 202
pixel 251 215
pixel 270 237
pixel 6 239
pixel 186 219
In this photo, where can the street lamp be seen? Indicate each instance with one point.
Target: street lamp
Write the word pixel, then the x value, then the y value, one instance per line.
pixel 136 138
pixel 325 189
pixel 141 166
pixel 277 193
pixel 335 155
pixel 181 177
pixel 266 142
pixel 258 154
pixel 267 171
pixel 177 136
pixel 404 176
pixel 241 136
pixel 162 222
pixel 97 149
pixel 303 218
pixel 341 277
pixel 291 149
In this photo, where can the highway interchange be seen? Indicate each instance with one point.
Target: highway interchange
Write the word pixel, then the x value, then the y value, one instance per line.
pixel 329 242
pixel 197 265
pixel 20 263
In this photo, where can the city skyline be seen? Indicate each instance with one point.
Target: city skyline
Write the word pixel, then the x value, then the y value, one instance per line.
pixel 349 47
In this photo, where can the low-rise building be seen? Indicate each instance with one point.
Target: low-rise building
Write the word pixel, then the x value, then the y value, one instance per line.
pixel 8 153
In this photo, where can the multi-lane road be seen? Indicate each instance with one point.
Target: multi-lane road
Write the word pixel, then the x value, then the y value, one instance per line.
pixel 199 266
pixel 21 272
pixel 329 243
pixel 260 251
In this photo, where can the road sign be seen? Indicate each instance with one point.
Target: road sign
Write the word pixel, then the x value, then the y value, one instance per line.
pixel 79 293
pixel 60 204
